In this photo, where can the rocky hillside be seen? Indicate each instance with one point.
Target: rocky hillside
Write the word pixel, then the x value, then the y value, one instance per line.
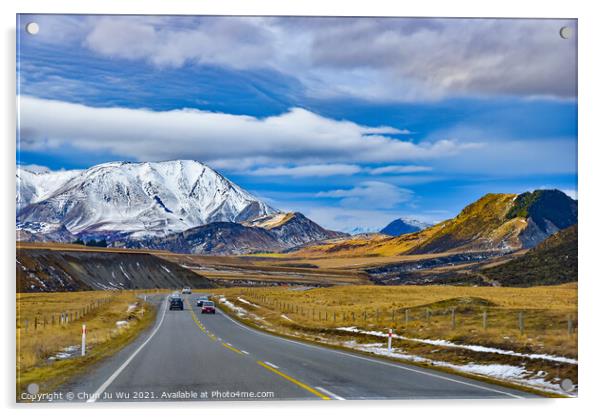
pixel 41 270
pixel 273 233
pixel 553 261
pixel 495 222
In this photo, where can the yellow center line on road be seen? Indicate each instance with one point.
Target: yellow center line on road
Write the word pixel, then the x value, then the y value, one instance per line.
pixel 198 323
pixel 294 381
pixel 232 348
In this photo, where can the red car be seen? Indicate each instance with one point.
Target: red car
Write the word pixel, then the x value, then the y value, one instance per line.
pixel 208 307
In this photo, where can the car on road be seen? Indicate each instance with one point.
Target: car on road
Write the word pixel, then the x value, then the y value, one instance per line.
pixel 176 302
pixel 186 290
pixel 201 300
pixel 208 307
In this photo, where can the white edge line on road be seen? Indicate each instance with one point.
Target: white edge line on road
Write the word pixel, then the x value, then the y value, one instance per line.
pixel 373 360
pixel 330 394
pixel 115 374
pixel 245 352
pixel 271 364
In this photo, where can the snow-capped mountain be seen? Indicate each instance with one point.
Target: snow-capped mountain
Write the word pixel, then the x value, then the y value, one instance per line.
pixel 360 230
pixel 134 199
pixel 404 225
pixel 35 183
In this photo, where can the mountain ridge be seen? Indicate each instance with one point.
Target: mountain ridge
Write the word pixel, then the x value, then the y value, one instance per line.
pixel 229 238
pixel 495 222
pixel 137 198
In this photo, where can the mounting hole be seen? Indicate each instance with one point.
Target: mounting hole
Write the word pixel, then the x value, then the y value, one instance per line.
pixel 567 385
pixel 565 32
pixel 32 28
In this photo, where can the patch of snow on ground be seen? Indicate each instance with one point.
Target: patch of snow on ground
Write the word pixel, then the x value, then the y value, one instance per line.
pixel 124 273
pixel 285 317
pixel 238 310
pixel 474 348
pixel 166 269
pixel 242 300
pixel 121 323
pixel 132 307
pixel 66 353
pixel 516 374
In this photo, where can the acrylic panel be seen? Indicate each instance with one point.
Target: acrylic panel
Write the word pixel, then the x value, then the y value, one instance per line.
pixel 295 208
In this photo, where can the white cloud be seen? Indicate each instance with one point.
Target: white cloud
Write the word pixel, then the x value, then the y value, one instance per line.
pixel 318 170
pixel 374 58
pixel 398 59
pixel 298 136
pixel 400 169
pixel 231 41
pixel 373 194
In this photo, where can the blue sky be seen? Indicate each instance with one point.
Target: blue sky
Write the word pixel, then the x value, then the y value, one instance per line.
pixel 353 121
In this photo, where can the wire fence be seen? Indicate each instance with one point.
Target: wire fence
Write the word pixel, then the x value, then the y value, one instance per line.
pixel 447 318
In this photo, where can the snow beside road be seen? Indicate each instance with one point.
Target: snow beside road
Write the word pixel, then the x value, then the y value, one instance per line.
pixel 242 300
pixel 510 373
pixel 474 348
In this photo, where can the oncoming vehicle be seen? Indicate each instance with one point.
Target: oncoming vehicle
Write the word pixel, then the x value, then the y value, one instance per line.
pixel 201 300
pixel 208 307
pixel 176 302
pixel 186 290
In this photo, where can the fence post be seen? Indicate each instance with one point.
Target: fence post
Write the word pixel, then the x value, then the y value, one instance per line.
pixel 389 341
pixel 84 339
pixel 407 317
pixel 570 325
pixel 453 318
pixel 35 323
pixel 484 319
pixel 521 323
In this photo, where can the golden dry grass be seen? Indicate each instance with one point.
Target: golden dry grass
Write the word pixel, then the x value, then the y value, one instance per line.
pixel 545 312
pixel 36 346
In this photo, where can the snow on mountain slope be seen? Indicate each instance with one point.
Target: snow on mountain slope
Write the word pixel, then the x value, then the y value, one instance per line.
pixel 140 199
pixel 35 184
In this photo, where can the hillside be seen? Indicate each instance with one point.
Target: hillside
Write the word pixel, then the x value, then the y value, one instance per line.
pixel 42 270
pixel 495 222
pixel 267 234
pixel 553 261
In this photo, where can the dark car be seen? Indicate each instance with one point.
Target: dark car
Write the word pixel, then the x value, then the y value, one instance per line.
pixel 201 300
pixel 208 307
pixel 176 302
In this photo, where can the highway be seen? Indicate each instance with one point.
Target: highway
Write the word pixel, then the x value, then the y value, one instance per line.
pixel 189 356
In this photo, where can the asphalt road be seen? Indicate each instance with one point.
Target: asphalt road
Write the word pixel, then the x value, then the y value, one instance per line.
pixel 189 356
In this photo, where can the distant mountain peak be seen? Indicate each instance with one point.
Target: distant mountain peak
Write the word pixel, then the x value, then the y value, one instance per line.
pixel 404 225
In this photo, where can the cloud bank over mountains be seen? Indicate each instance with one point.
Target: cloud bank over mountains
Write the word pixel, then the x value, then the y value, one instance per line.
pixel 374 58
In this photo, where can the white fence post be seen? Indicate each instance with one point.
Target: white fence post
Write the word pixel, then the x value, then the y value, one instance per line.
pixel 83 340
pixel 390 337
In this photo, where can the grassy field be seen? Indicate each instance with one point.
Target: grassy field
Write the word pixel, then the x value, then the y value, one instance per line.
pixel 112 318
pixel 525 320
